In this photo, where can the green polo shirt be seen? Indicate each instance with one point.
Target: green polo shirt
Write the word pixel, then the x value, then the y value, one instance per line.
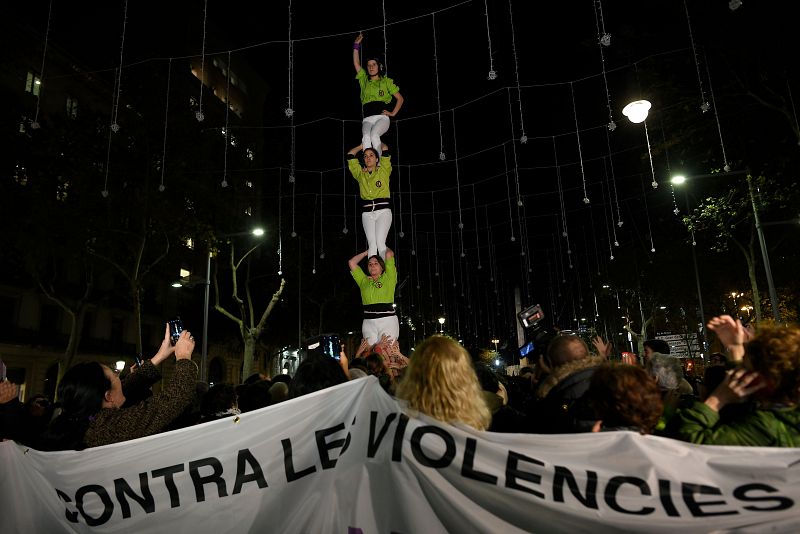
pixel 380 90
pixel 370 292
pixel 375 184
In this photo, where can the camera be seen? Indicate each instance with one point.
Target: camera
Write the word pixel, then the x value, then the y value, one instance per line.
pixel 175 329
pixel 531 315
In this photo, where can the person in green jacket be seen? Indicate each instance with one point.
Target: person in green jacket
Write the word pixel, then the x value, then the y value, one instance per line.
pixel 769 380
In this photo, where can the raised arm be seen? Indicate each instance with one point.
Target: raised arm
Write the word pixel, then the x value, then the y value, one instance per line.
pixel 731 334
pixel 355 150
pixel 356 50
pixel 353 262
pixel 389 253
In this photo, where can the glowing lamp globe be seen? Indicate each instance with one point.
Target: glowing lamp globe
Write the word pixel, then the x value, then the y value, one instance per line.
pixel 637 111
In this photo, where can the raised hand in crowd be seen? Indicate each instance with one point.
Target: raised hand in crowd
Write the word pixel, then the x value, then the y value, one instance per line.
pixel 363 348
pixel 603 347
pixel 731 334
pixel 737 386
pixel 185 346
pixel 384 346
pixel 344 362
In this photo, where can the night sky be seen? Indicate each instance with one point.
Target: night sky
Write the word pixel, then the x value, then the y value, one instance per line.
pixel 550 84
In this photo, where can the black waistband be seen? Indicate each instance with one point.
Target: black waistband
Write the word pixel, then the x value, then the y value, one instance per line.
pixel 375 204
pixel 377 311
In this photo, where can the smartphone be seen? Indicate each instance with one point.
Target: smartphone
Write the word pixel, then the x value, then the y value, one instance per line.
pixel 330 345
pixel 175 329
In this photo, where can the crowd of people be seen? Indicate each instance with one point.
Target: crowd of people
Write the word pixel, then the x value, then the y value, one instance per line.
pixel 749 397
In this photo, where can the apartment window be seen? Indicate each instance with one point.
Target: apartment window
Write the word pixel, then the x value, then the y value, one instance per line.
pixel 249 184
pixel 33 84
pixel 249 211
pixel 250 154
pixel 72 107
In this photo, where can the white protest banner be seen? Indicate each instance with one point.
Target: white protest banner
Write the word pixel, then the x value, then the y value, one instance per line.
pixel 348 460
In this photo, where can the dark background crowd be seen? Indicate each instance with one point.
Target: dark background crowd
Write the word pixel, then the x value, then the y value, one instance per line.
pixel 746 396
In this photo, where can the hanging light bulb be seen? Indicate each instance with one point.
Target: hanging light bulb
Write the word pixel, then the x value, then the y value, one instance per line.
pixel 637 111
pixel 612 126
pixel 492 75
pixel 345 230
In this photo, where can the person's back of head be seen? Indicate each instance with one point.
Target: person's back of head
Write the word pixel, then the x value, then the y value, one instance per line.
pixel 440 381
pixel 278 392
pixel 254 396
pixel 218 401
pixel 80 394
pixel 566 348
pixel 316 372
pixel 666 370
pixel 624 397
pixel 774 353
pixel 487 377
pixel 657 345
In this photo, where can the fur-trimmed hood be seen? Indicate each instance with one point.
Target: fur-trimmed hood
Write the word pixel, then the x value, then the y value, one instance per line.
pixel 563 371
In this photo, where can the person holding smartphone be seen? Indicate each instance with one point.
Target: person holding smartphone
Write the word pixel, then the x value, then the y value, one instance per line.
pixel 92 394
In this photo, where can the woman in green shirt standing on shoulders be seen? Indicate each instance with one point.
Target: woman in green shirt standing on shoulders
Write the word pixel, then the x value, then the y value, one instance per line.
pixel 377 295
pixel 378 93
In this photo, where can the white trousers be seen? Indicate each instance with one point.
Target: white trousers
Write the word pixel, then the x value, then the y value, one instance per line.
pixel 372 128
pixel 373 329
pixel 376 228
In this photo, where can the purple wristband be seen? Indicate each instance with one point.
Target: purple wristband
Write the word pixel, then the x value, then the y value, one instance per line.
pixel 356 46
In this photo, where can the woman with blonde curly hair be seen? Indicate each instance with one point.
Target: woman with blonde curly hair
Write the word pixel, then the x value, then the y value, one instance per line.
pixel 440 382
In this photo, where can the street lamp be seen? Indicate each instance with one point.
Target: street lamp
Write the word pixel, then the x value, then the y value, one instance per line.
pixel 257 232
pixel 441 323
pixel 773 295
pixel 637 112
pixel 495 341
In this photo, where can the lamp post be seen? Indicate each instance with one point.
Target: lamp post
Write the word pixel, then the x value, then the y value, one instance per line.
pixel 495 341
pixel 441 325
pixel 257 232
pixel 773 295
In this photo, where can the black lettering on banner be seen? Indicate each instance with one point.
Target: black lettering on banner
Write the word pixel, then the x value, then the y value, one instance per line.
pixel 71 515
pixel 200 481
pixel 781 502
pixel 665 494
pixel 468 469
pixel 244 458
pixel 374 443
pixel 513 473
pixel 696 508
pixel 288 463
pixel 146 501
pixel 563 474
pixel 399 432
pixel 105 498
pixel 613 487
pixel 419 454
pixel 169 482
pixel 325 447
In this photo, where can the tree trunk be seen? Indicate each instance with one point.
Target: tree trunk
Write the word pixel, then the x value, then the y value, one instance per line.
pixel 249 354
